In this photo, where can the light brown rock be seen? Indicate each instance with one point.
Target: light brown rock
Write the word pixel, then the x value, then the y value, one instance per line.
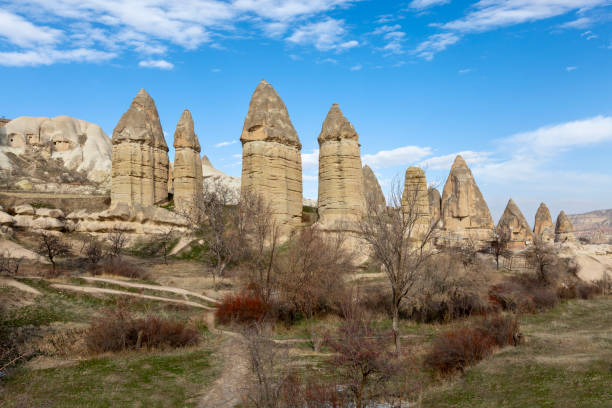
pixel 465 213
pixel 372 189
pixel 6 219
pixel 49 212
pixel 543 225
pixel 187 171
pixel 435 204
pixel 140 155
pixel 415 201
pixel 564 230
pixel 514 225
pixel 271 160
pixel 24 209
pixel 341 195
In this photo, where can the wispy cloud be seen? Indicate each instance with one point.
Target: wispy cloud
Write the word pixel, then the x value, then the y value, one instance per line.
pixel 161 64
pixel 325 35
pixel 571 68
pixel 310 160
pixel 399 156
pixel 434 44
pixel 446 161
pixel 423 4
pixel 582 22
pixel 465 71
pixel 227 143
pixel 357 67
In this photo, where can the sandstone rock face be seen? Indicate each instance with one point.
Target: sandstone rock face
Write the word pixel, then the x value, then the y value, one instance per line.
pixel 187 170
pixel 371 188
pixel 25 209
pixel 82 146
pixel 213 177
pixel 44 219
pixel 564 230
pixel 543 226
pixel 271 160
pixel 435 204
pixel 6 219
pixel 415 201
pixel 465 213
pixel 514 224
pixel 341 191
pixel 140 155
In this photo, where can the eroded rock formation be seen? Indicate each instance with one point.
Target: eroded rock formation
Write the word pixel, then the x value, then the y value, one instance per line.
pixel 140 155
pixel 564 230
pixel 371 188
pixel 435 204
pixel 187 170
pixel 415 201
pixel 341 191
pixel 514 225
pixel 543 226
pixel 465 213
pixel 271 160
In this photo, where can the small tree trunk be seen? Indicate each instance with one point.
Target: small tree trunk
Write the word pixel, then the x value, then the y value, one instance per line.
pixel 396 334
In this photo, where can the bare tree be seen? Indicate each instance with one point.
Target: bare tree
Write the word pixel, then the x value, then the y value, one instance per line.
pixel 542 257
pixel 499 245
pixel 92 249
pixel 52 247
pixel 9 266
pixel 400 239
pixel 117 241
pixel 165 243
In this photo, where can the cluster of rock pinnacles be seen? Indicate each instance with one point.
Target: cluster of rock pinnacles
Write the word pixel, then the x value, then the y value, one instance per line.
pixel 272 168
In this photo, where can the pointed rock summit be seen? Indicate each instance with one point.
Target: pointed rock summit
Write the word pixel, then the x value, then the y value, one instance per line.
pixel 372 190
pixel 415 198
pixel 187 172
pixel 543 226
pixel 341 196
pixel 435 203
pixel 465 213
pixel 271 160
pixel 514 225
pixel 140 155
pixel 564 230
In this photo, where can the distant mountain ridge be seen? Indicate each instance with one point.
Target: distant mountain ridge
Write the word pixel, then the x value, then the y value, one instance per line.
pixel 593 224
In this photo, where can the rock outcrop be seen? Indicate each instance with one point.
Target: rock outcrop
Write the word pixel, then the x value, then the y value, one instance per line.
pixel 596 226
pixel 465 213
pixel 372 190
pixel 341 191
pixel 564 230
pixel 543 226
pixel 435 204
pixel 83 147
pixel 40 219
pixel 271 160
pixel 214 177
pixel 187 170
pixel 514 225
pixel 140 155
pixel 415 201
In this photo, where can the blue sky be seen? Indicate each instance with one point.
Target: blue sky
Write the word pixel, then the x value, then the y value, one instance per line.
pixel 523 88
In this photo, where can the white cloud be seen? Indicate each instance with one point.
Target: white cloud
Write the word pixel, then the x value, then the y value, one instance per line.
pixel 161 64
pixel 571 68
pixel 23 33
pixel 434 44
pixel 325 35
pixel 228 143
pixel 310 160
pixel 399 156
pixel 446 161
pixel 465 71
pixel 423 4
pixel 589 35
pixel 50 56
pixel 356 67
pixel 581 22
pixel 215 70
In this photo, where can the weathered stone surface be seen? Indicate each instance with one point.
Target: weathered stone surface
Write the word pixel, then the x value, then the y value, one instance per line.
pixel 24 209
pixel 415 201
pixel 515 226
pixel 271 160
pixel 564 230
pixel 435 204
pixel 47 223
pixel 372 189
pixel 341 191
pixel 140 155
pixel 187 171
pixel 49 212
pixel 543 226
pixel 6 219
pixel 465 213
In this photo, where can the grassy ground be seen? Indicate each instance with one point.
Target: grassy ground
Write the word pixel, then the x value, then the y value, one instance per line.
pixel 566 361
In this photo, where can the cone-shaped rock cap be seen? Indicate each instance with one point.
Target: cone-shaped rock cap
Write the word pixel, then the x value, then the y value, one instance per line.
pixel 564 225
pixel 185 136
pixel 459 162
pixel 512 212
pixel 140 123
pixel 336 126
pixel 206 161
pixel 268 119
pixel 542 219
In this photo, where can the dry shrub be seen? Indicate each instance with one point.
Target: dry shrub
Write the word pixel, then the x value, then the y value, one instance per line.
pixel 504 330
pixel 122 267
pixel 578 290
pixel 241 309
pixel 520 295
pixel 118 330
pixel 312 392
pixel 457 349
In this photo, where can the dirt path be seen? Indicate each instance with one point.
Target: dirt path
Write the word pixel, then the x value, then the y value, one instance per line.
pixel 160 288
pixel 19 285
pixel 91 289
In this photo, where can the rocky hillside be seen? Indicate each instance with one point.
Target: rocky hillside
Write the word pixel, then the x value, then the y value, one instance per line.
pixel 593 224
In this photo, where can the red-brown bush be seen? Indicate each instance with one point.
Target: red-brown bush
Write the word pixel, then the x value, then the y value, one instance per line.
pixel 118 330
pixel 241 309
pixel 577 290
pixel 457 349
pixel 504 330
pixel 121 267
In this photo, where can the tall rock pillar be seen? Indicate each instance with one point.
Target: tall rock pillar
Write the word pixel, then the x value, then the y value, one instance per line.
pixel 341 191
pixel 187 172
pixel 543 227
pixel 514 225
pixel 140 155
pixel 415 201
pixel 271 160
pixel 564 230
